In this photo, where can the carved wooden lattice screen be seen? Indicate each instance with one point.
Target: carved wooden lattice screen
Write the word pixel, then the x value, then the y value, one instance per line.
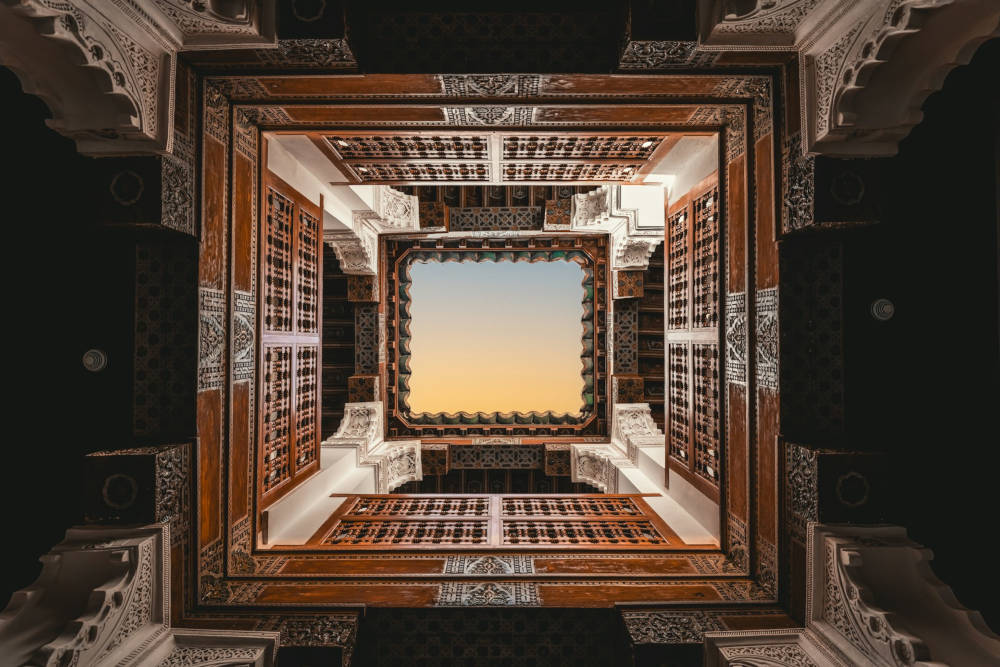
pixel 587 521
pixel 692 333
pixel 291 266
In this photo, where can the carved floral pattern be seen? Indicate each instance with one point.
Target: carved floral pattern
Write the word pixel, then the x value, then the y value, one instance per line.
pixel 185 656
pixel 649 54
pixel 798 185
pixel 491 85
pixel 489 565
pixel 396 211
pixel 788 655
pixel 767 338
pixel 488 594
pixel 356 251
pixel 211 338
pixel 736 337
pixel 670 627
pixel 633 427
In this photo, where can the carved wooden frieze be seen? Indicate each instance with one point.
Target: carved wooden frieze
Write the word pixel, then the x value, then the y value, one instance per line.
pixel 625 337
pixel 627 284
pixel 557 460
pixel 689 626
pixel 528 147
pixel 495 218
pixel 353 147
pixel 366 338
pixel 490 85
pixel 798 182
pixel 363 388
pixel 435 458
pixel 489 115
pixel 488 594
pixel 494 456
pixel 737 547
pixel 627 389
pixel 663 55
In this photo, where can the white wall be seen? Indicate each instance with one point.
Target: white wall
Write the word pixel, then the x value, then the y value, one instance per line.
pixel 690 161
pixel 293 159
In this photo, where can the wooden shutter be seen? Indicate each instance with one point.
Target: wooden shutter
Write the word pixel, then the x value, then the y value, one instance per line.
pixel 291 256
pixel 692 336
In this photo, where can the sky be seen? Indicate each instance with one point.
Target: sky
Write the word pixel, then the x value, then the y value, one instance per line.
pixel 496 336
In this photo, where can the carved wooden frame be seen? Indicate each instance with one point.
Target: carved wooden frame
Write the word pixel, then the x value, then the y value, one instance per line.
pixel 228 569
pixel 592 253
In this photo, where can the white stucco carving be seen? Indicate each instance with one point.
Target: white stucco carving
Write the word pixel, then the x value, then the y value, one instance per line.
pixel 106 68
pixel 106 79
pixel 635 231
pixel 865 67
pixel 632 427
pixel 597 465
pixel 399 463
pixel 356 249
pixel 362 428
pixel 203 25
pixel 871 599
pixel 395 211
pixel 361 425
pixel 120 579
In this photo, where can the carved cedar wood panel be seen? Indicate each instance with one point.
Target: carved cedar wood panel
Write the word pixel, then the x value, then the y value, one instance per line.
pixel 693 232
pixel 291 266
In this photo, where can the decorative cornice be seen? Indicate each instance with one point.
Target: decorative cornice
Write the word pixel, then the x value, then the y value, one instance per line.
pixel 363 429
pixel 394 211
pixel 362 425
pixel 864 585
pixel 396 463
pixel 120 578
pixel 597 465
pixel 865 67
pixel 401 409
pixel 129 110
pixel 870 86
pixel 632 427
pixel 863 588
pixel 357 249
pixel 633 241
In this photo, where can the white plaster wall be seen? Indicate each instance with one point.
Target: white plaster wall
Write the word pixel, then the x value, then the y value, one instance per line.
pixel 295 517
pixel 648 200
pixel 704 510
pixel 673 511
pixel 295 159
pixel 690 161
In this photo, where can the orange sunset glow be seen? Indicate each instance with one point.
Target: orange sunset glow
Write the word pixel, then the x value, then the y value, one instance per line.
pixel 496 336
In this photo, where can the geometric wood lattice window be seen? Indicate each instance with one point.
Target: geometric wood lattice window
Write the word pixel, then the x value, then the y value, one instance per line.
pixel 595 521
pixel 291 266
pixel 692 332
pixel 414 158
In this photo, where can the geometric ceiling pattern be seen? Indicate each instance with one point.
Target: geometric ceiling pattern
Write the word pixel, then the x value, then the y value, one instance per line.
pixel 495 157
